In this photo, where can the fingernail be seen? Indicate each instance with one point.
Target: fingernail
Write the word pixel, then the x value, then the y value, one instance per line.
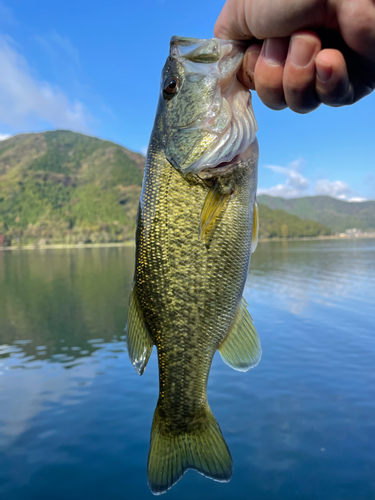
pixel 301 51
pixel 274 51
pixel 323 72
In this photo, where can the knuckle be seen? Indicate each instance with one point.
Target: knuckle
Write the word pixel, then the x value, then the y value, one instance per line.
pixel 302 101
pixel 297 87
pixel 359 19
pixel 275 102
pixel 268 87
pixel 304 108
pixel 268 82
pixel 273 97
pixel 297 82
pixel 364 17
pixel 340 95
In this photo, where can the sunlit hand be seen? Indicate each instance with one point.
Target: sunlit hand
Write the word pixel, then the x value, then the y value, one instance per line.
pixel 304 52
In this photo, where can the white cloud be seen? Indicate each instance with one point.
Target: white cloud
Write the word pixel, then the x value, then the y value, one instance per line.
pixel 27 102
pixel 4 136
pixel 54 43
pixel 295 184
pixel 144 150
pixel 337 189
pixel 358 198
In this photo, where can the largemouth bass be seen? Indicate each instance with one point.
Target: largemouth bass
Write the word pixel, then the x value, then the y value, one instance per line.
pixel 196 228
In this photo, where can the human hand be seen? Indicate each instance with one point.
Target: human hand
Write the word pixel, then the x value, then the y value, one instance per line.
pixel 304 52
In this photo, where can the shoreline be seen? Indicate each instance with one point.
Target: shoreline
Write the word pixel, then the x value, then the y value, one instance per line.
pixel 58 246
pixel 132 243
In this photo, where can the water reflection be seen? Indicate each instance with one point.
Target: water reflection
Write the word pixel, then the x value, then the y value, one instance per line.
pixel 60 305
pixel 75 417
pixel 295 275
pixel 48 383
pixel 55 303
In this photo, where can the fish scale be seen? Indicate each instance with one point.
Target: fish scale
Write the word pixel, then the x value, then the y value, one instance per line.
pixel 189 277
pixel 193 290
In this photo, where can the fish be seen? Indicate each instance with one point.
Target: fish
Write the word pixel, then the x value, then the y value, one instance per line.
pixel 197 226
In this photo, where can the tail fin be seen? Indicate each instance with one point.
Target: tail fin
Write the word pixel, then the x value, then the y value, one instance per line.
pixel 172 454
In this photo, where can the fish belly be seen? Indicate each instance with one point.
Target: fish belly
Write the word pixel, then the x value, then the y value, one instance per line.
pixel 189 291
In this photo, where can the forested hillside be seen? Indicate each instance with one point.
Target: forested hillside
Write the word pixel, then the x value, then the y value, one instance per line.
pixel 67 188
pixel 280 224
pixel 64 187
pixel 338 215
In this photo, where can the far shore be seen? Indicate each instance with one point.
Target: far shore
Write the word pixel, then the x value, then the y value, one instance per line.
pixel 77 245
pixel 132 243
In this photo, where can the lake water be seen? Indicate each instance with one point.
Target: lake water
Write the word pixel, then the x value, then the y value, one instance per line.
pixel 75 417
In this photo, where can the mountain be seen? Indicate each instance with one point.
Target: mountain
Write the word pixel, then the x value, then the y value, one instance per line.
pixel 280 224
pixel 338 215
pixel 64 187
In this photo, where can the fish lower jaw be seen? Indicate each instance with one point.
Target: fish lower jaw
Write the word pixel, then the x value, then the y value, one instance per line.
pixel 221 169
pixel 225 168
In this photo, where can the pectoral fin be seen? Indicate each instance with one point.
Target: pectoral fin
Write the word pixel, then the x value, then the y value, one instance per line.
pixel 213 205
pixel 138 338
pixel 241 348
pixel 254 241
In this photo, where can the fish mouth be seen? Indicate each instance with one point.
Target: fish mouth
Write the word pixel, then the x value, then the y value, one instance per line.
pixel 226 168
pixel 230 125
pixel 224 165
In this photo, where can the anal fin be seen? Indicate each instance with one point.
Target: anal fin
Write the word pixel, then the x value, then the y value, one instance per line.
pixel 138 338
pixel 241 348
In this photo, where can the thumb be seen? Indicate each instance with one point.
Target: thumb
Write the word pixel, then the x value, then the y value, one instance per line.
pixel 231 23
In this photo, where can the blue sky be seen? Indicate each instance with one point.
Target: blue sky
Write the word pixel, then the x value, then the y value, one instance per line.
pixel 94 67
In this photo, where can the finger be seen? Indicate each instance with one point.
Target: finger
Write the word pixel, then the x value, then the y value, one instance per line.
pixel 231 23
pixel 361 75
pixel 299 72
pixel 268 74
pixel 246 72
pixel 245 19
pixel 332 80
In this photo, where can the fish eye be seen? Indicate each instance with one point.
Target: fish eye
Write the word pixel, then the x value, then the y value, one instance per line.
pixel 171 85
